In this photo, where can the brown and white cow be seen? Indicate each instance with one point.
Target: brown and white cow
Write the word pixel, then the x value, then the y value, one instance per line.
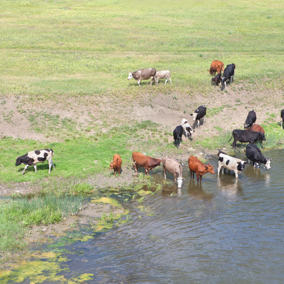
pixel 196 166
pixel 143 74
pixel 174 167
pixel 116 164
pixel 141 160
pixel 216 66
pixel 34 157
pixel 166 74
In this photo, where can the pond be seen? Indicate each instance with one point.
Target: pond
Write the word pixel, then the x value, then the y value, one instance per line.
pixel 223 230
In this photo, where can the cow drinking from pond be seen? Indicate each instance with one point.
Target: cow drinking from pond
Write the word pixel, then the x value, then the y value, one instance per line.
pixel 143 74
pixel 174 167
pixel 254 154
pixel 34 157
pixel 141 160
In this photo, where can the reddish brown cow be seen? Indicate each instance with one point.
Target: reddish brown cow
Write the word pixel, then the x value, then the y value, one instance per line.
pixel 256 128
pixel 216 66
pixel 144 161
pixel 116 164
pixel 196 166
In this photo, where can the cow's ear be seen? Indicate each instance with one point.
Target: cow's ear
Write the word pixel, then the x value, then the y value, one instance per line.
pixel 191 114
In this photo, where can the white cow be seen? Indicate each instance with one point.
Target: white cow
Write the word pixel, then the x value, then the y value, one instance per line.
pixel 166 74
pixel 230 163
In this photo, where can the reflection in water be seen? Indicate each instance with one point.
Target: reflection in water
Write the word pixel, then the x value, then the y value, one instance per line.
pixel 195 190
pixel 229 186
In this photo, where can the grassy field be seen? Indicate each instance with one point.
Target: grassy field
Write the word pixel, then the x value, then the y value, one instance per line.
pixel 89 47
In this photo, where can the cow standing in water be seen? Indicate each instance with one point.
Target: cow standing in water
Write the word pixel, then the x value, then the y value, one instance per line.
pixel 254 154
pixel 196 166
pixel 251 119
pixel 143 74
pixel 174 167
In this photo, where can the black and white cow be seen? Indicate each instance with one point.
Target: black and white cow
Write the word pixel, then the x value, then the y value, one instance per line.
pixel 246 136
pixel 199 113
pixel 34 157
pixel 254 154
pixel 282 116
pixel 184 129
pixel 251 119
pixel 230 163
pixel 229 74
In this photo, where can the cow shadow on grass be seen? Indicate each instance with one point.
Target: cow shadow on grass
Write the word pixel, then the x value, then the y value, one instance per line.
pixel 194 125
pixel 44 167
pixel 177 145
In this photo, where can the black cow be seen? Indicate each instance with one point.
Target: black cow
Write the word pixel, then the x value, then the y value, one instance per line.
pixel 251 118
pixel 229 74
pixel 282 116
pixel 217 79
pixel 34 157
pixel 254 154
pixel 199 113
pixel 246 136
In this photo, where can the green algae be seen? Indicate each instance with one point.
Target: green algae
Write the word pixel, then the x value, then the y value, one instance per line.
pixel 45 267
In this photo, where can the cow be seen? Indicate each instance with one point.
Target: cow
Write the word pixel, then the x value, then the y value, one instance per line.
pixel 282 116
pixel 216 66
pixel 174 167
pixel 187 130
pixel 251 118
pixel 217 79
pixel 254 154
pixel 34 157
pixel 196 166
pixel 229 74
pixel 166 74
pixel 230 163
pixel 143 74
pixel 116 164
pixel 199 113
pixel 245 136
pixel 144 161
pixel 256 128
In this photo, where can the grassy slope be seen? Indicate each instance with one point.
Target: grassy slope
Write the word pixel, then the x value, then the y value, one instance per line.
pixel 86 47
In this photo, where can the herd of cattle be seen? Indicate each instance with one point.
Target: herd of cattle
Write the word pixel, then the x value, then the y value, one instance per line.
pixel 216 67
pixel 252 133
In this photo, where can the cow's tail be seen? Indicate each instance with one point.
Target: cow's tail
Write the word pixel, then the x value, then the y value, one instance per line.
pixel 231 138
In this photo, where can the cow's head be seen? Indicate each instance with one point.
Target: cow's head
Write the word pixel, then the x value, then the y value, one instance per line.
pixel 267 164
pixel 130 76
pixel 183 121
pixel 179 181
pixel 194 115
pixel 223 81
pixel 18 161
pixel 210 169
pixel 111 166
pixel 241 166
pixel 261 136
pixel 189 130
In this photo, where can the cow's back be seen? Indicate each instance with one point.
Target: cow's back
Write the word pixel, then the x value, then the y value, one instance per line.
pixel 139 158
pixel 256 128
pixel 171 165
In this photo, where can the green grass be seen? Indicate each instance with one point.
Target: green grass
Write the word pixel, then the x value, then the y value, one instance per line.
pixel 89 47
pixel 17 214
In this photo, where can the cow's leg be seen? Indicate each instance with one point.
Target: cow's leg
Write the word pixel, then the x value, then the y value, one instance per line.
pixel 25 169
pixel 139 82
pixel 165 173
pixel 35 168
pixel 136 167
pixel 203 119
pixel 219 168
pixel 166 81
pixel 236 174
pixel 50 165
pixel 170 80
pixel 222 170
pixel 198 123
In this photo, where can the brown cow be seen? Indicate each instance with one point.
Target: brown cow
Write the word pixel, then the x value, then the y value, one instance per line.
pixel 116 164
pixel 196 166
pixel 216 66
pixel 143 74
pixel 256 128
pixel 144 161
